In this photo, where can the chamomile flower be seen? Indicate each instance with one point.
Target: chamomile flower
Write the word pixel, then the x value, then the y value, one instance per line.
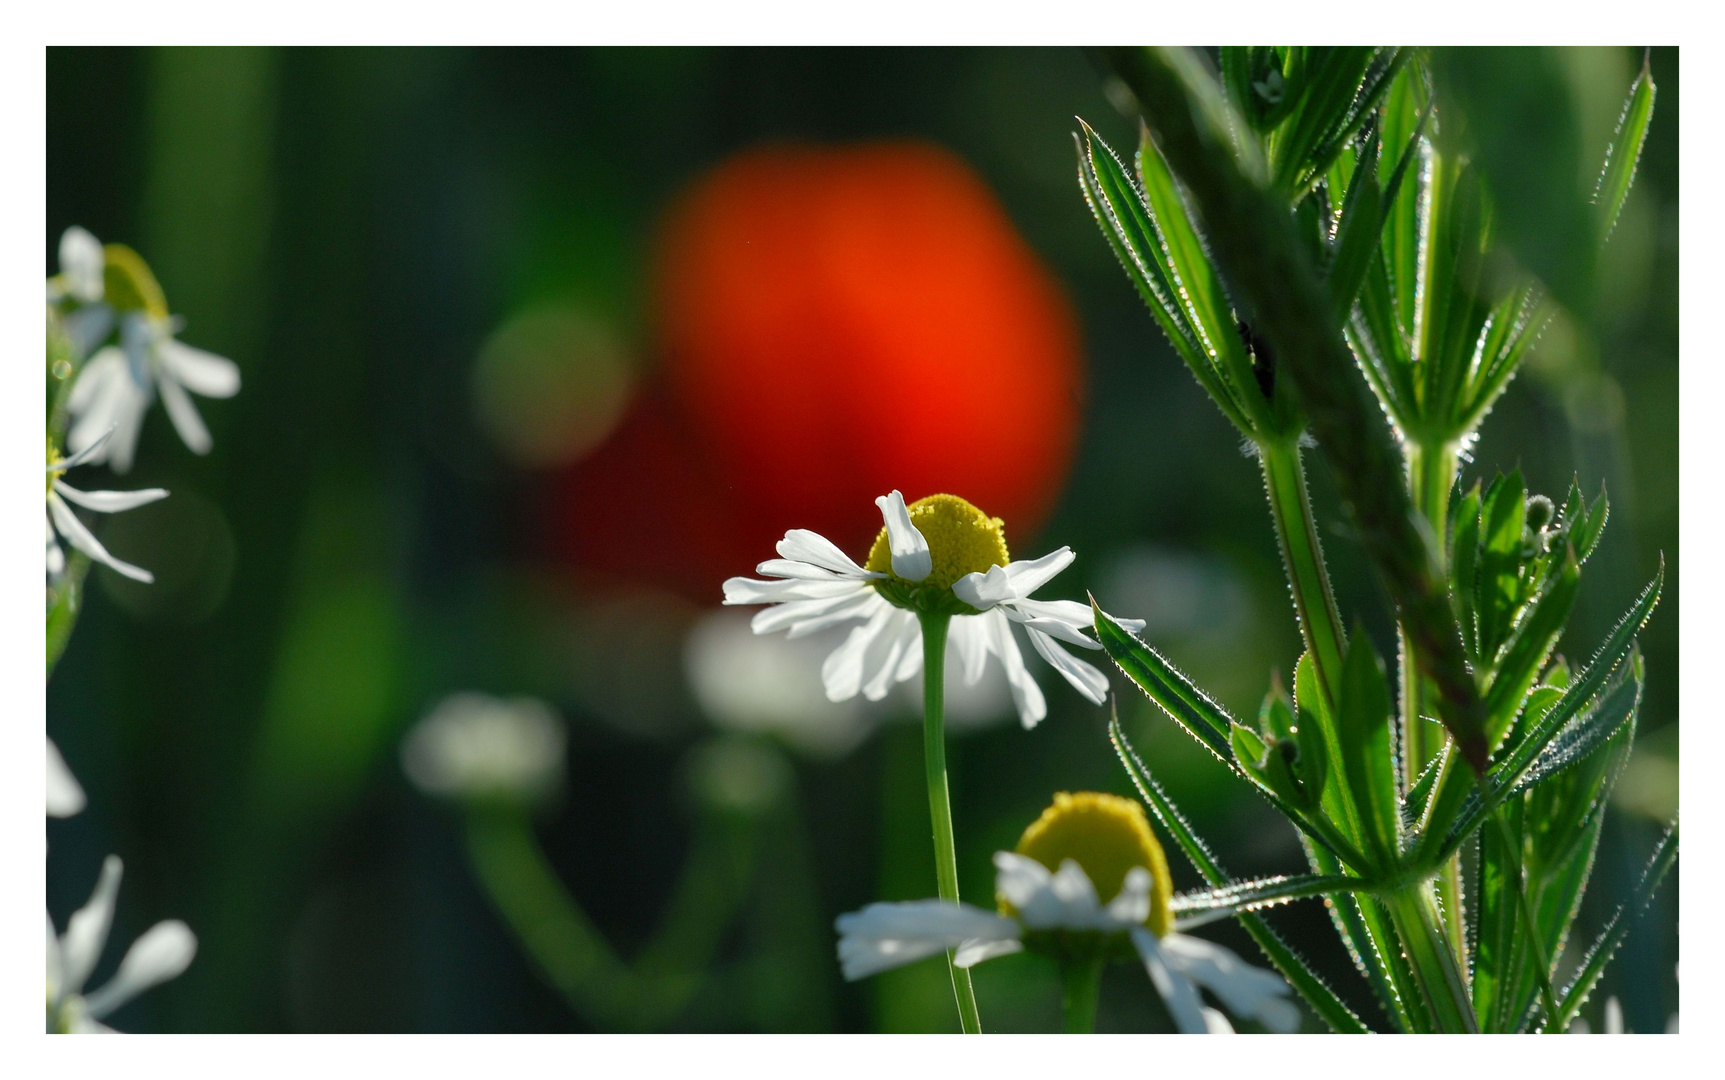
pixel 938 555
pixel 64 524
pixel 118 384
pixel 1088 881
pixel 162 953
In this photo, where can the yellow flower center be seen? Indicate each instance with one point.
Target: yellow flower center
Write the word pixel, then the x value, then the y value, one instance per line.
pixel 53 460
pixel 1106 836
pixel 129 284
pixel 961 540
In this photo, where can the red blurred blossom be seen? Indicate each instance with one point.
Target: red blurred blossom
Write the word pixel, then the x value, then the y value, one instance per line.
pixel 834 322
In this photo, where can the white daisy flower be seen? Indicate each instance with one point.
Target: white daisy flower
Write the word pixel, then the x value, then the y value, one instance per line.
pixel 479 747
pixel 65 795
pixel 118 384
pixel 64 524
pixel 1084 848
pixel 939 554
pixel 162 953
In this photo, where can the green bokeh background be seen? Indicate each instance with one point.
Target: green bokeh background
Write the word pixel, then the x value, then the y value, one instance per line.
pixel 350 225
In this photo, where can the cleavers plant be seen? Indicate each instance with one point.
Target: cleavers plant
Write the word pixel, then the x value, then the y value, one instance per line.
pixel 1325 264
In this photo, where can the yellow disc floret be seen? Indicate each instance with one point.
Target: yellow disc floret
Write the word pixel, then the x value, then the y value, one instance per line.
pixel 53 460
pixel 961 540
pixel 1106 836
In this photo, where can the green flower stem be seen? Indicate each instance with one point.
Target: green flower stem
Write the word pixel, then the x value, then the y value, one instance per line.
pixel 1420 925
pixel 573 954
pixel 1303 558
pixel 1431 475
pixel 1081 982
pixel 934 627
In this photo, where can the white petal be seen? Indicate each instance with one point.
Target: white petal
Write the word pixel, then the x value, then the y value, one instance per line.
pixel 83 455
pixel 1244 989
pixel 56 964
pixel 801 545
pixel 885 936
pixel 1132 906
pixel 1180 995
pixel 87 327
pixel 772 619
pixel 1074 901
pixel 1613 1016
pixel 1026 695
pixel 65 796
pixel 1216 1023
pixel 742 590
pixel 203 373
pixel 791 568
pixel 842 671
pixel 1084 678
pixel 969 636
pixel 81 263
pixel 81 538
pixel 165 950
pixel 881 663
pixel 984 590
pixel 110 502
pixel 911 559
pixel 1018 878
pixel 1067 620
pixel 863 606
pixel 185 417
pixel 975 950
pixel 93 381
pixel 87 931
pixel 1028 575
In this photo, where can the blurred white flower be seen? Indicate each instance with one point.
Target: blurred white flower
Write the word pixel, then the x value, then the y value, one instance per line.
pixel 1060 910
pixel 85 317
pixel 63 523
pixel 963 570
pixel 162 953
pixel 770 685
pixel 65 796
pixel 475 746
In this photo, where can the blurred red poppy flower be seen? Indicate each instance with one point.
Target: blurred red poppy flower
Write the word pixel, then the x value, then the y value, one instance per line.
pixel 833 323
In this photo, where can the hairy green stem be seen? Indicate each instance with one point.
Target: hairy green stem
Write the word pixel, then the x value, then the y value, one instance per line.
pixel 934 627
pixel 1443 984
pixel 1081 984
pixel 1431 475
pixel 1303 558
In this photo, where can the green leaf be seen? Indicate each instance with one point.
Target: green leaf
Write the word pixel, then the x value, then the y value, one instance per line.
pixel 1605 946
pixel 1357 234
pixel 1531 641
pixel 1364 728
pixel 1197 283
pixel 67 599
pixel 1293 967
pixel 1625 150
pixel 1464 565
pixel 1196 908
pixel 1178 696
pixel 1587 529
pixel 1497 586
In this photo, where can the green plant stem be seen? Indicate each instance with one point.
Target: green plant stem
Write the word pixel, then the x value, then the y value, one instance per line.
pixel 1420 925
pixel 573 954
pixel 1303 558
pixel 1431 475
pixel 1529 925
pixel 934 627
pixel 1081 982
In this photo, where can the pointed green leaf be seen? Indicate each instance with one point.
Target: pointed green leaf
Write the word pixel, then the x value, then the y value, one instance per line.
pixel 1605 946
pixel 1364 728
pixel 1197 908
pixel 1293 967
pixel 1625 150
pixel 1530 644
